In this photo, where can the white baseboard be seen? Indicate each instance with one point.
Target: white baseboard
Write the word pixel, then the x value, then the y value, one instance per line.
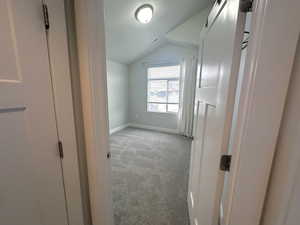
pixel 114 130
pixel 166 130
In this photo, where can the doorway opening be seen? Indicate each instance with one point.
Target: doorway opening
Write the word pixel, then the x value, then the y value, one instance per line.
pixel 152 52
pixel 171 78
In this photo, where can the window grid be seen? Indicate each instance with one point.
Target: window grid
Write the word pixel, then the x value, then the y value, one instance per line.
pixel 167 92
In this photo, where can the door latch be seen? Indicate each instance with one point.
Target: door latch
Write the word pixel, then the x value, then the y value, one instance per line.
pixel 225 163
pixel 60 149
pixel 108 155
pixel 246 5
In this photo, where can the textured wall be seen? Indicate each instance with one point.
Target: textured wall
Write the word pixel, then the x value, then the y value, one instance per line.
pixel 117 83
pixel 138 86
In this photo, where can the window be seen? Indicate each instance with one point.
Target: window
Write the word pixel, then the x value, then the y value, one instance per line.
pixel 163 89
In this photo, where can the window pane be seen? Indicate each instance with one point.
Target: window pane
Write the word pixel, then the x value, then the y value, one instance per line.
pixel 157 91
pixel 152 107
pixel 164 72
pixel 173 108
pixel 173 91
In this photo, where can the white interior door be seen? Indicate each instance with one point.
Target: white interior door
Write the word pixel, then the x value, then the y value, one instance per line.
pixel 215 93
pixel 31 187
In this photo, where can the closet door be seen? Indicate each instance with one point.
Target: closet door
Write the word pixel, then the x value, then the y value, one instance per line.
pixel 31 187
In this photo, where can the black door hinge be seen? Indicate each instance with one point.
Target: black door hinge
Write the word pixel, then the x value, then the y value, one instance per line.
pixel 225 162
pixel 246 5
pixel 60 149
pixel 46 16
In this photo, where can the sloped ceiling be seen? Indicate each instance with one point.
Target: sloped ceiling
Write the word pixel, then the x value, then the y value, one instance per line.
pixel 188 33
pixel 127 40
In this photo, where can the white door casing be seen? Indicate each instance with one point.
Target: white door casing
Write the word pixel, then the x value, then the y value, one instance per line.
pixel 62 90
pixel 219 63
pixel 274 21
pixel 31 188
pixel 283 197
pixel 92 68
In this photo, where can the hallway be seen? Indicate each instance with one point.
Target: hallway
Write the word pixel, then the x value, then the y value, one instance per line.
pixel 149 177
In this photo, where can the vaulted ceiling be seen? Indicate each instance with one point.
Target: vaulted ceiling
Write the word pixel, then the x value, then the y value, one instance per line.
pixel 127 39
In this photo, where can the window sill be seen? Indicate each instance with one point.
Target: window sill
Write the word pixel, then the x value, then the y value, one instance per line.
pixel 165 113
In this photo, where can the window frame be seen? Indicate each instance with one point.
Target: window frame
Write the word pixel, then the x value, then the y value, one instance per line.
pixel 168 80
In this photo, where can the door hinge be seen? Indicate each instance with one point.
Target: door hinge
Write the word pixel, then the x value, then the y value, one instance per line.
pixel 60 149
pixel 225 162
pixel 46 16
pixel 246 5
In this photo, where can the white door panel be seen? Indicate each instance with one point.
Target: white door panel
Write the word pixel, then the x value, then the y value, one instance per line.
pixel 210 164
pixel 17 197
pixel 196 159
pixel 31 187
pixel 220 55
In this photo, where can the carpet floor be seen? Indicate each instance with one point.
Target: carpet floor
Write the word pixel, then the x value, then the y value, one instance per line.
pixel 149 177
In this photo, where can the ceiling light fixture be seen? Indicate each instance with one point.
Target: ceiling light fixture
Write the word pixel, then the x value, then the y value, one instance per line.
pixel 144 13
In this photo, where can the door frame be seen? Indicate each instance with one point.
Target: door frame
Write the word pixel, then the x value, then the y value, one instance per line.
pixel 262 103
pixel 260 111
pixel 63 103
pixel 89 23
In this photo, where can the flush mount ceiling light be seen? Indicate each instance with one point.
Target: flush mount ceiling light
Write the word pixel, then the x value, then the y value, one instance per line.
pixel 144 13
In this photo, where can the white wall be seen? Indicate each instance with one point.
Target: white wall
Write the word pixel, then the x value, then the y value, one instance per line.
pixel 138 114
pixel 282 206
pixel 117 85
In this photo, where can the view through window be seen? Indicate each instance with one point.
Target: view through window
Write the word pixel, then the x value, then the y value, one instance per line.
pixel 163 89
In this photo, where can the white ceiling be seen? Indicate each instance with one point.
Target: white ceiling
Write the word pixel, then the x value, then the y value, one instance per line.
pixel 127 40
